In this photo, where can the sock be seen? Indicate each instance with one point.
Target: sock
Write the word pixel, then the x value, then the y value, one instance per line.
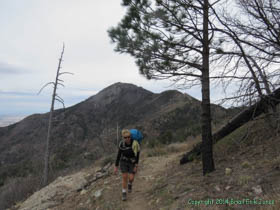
pixel 123 190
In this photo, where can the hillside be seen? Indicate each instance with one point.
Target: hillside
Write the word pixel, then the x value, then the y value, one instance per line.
pixel 87 131
pixel 247 170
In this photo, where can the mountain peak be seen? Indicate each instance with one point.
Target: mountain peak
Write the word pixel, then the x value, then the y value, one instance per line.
pixel 122 86
pixel 129 92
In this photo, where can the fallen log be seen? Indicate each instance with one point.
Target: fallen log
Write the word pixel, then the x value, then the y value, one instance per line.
pixel 243 117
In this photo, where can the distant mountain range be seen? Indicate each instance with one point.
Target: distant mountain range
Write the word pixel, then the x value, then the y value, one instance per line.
pixel 88 130
pixel 6 120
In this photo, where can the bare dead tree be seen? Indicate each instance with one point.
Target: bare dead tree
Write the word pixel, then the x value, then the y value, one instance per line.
pixel 243 117
pixel 55 97
pixel 248 50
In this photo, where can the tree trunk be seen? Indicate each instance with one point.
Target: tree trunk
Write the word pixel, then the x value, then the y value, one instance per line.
pixel 239 120
pixel 47 151
pixel 207 153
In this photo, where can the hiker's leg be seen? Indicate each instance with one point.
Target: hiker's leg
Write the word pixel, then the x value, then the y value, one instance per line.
pixel 131 172
pixel 130 181
pixel 124 180
pixel 131 178
pixel 124 185
pixel 124 169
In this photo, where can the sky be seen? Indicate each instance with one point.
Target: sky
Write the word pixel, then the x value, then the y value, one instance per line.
pixel 31 40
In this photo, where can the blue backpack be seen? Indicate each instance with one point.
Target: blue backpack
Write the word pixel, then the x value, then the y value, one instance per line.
pixel 136 135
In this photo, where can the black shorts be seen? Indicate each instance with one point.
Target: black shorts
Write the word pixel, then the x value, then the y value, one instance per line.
pixel 127 167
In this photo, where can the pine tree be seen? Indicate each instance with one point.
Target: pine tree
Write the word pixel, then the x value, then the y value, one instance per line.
pixel 170 40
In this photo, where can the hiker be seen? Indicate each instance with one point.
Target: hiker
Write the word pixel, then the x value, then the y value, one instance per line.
pixel 128 157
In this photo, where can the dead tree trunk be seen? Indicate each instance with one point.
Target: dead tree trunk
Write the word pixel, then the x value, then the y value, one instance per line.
pixel 55 97
pixel 253 111
pixel 47 152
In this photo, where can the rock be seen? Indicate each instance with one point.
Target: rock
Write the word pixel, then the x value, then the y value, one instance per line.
pixel 152 200
pixel 107 167
pixel 228 187
pixel 257 189
pixel 83 192
pixel 98 169
pixel 228 171
pixel 53 194
pixel 88 201
pixel 88 155
pixel 99 175
pixel 98 193
pixel 217 188
pixel 149 177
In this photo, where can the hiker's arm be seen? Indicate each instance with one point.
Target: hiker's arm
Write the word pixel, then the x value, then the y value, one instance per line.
pixel 137 158
pixel 118 158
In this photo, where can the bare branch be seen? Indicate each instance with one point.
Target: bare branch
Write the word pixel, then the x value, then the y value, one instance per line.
pixel 60 102
pixel 57 96
pixel 61 84
pixel 45 86
pixel 65 73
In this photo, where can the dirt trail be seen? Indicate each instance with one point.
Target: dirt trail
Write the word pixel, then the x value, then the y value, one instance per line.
pixel 151 167
pixel 105 192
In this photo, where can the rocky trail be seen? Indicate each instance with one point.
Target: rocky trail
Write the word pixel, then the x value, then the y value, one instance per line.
pixel 99 188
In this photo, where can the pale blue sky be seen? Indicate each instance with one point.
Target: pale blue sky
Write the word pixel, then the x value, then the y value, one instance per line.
pixel 31 39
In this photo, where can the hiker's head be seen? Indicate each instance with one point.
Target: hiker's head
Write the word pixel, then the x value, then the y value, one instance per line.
pixel 126 135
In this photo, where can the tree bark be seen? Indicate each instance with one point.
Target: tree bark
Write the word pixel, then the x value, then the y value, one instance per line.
pixel 245 116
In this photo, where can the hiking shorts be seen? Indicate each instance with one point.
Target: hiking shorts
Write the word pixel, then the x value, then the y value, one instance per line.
pixel 127 167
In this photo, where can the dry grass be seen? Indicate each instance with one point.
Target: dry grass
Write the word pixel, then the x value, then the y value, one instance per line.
pixel 161 150
pixel 244 180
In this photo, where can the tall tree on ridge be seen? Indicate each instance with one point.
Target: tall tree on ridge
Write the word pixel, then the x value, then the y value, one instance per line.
pixel 170 40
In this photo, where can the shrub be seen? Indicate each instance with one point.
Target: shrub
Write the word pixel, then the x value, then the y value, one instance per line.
pixel 156 151
pixel 245 164
pixel 17 189
pixel 107 159
pixel 152 143
pixel 166 137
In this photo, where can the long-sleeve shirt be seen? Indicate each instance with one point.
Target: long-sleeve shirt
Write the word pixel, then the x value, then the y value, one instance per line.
pixel 126 150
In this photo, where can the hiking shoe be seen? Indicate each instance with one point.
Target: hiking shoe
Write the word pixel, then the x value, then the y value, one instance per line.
pixel 129 186
pixel 124 196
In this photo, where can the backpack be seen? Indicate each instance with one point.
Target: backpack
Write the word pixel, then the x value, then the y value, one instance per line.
pixel 136 135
